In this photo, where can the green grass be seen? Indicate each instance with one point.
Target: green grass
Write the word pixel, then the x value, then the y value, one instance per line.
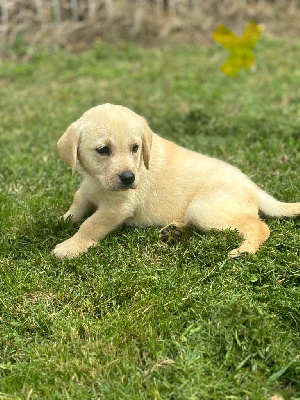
pixel 135 318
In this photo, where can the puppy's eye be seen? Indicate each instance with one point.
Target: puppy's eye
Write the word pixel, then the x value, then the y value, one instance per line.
pixel 135 148
pixel 103 150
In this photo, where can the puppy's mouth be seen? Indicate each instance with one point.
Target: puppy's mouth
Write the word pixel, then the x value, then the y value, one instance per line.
pixel 119 187
pixel 127 187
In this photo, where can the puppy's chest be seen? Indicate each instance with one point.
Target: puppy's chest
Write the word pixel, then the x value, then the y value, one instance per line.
pixel 107 200
pixel 140 218
pixel 147 214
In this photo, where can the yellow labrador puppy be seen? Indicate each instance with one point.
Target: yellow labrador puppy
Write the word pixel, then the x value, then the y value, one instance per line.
pixel 133 176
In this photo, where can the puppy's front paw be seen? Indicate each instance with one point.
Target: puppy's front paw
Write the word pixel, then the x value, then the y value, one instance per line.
pixel 68 216
pixel 237 253
pixel 70 248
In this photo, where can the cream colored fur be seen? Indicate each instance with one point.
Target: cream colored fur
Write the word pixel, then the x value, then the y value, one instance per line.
pixel 172 184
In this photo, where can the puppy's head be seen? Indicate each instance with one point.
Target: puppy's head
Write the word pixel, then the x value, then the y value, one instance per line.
pixel 111 143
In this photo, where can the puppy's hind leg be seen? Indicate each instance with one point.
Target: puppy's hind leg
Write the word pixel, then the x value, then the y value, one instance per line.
pixel 175 232
pixel 206 216
pixel 253 230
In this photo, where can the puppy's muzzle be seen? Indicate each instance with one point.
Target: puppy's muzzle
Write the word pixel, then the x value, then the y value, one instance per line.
pixel 127 178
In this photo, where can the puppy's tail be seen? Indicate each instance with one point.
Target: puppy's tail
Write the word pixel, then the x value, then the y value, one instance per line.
pixel 274 208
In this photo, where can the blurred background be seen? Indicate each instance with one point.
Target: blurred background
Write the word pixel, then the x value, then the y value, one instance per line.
pixel 77 24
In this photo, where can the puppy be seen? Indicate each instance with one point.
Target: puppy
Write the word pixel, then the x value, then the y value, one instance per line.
pixel 133 176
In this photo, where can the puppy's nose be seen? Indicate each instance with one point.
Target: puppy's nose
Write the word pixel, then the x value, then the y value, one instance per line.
pixel 127 177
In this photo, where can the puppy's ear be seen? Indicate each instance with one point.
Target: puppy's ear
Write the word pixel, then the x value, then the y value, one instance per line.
pixel 146 144
pixel 68 145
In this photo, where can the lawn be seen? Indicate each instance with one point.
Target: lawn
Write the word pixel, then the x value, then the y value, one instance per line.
pixel 135 318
